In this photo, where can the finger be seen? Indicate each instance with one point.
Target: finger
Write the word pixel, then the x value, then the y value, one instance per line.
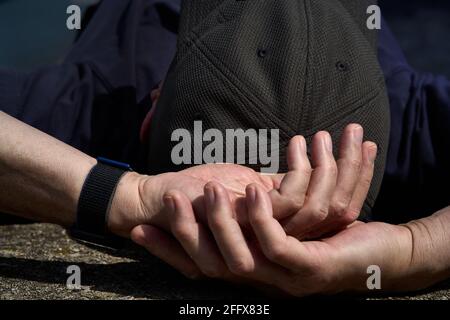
pixel 226 230
pixel 234 248
pixel 275 244
pixel 196 240
pixel 349 167
pixel 320 189
pixel 193 237
pixel 145 127
pixel 369 154
pixel 155 94
pixel 290 196
pixel 161 245
pixel 369 151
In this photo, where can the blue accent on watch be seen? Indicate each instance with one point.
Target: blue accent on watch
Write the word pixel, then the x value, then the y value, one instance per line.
pixel 113 163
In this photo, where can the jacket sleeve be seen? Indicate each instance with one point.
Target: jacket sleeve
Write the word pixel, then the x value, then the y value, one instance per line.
pixel 93 99
pixel 418 161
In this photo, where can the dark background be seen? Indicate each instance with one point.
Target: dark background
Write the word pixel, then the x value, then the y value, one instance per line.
pixel 423 30
pixel 33 33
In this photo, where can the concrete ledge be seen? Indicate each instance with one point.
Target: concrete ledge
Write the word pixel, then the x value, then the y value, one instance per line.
pixel 34 260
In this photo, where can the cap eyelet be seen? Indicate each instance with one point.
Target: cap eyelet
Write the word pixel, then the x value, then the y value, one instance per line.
pixel 342 66
pixel 262 53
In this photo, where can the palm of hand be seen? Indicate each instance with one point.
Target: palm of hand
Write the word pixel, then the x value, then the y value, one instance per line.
pixel 341 261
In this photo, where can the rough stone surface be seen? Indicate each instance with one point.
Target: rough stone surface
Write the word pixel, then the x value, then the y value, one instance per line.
pixel 34 260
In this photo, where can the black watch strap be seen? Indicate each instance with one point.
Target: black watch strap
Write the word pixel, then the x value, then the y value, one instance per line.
pixel 95 201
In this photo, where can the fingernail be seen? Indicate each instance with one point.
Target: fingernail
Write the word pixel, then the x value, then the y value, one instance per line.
pixel 302 144
pixel 210 195
pixel 251 194
pixel 169 202
pixel 373 153
pixel 140 239
pixel 328 144
pixel 357 135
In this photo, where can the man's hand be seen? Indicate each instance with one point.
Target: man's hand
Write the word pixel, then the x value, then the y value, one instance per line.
pixel 311 199
pixel 316 198
pixel 336 192
pixel 271 257
pixel 321 197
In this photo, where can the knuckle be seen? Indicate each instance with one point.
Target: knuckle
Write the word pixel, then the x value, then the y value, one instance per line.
pixel 345 219
pixel 349 217
pixel 355 164
pixel 366 181
pixel 319 213
pixel 306 170
pixel 241 267
pixel 214 272
pixel 339 207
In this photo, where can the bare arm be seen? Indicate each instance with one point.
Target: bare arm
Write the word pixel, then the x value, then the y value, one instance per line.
pixel 40 177
pixel 431 248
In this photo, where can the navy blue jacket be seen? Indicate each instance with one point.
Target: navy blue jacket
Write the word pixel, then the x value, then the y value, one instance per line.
pixel 101 90
pixel 418 164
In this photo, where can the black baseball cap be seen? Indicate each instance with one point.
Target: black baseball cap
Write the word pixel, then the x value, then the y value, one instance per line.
pixel 299 66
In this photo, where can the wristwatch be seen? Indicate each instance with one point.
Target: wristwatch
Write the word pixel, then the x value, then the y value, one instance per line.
pixel 94 204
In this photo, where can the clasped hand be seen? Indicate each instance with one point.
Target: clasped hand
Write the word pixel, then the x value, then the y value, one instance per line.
pixel 286 230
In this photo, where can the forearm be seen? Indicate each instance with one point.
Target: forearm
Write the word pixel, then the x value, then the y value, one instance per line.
pixel 40 177
pixel 415 255
pixel 430 261
pixel 410 257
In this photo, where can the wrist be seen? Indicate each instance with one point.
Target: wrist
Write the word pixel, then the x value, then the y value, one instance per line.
pixel 408 258
pixel 400 269
pixel 430 259
pixel 389 249
pixel 125 210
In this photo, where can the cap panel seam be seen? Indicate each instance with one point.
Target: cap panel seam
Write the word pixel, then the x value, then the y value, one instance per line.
pixel 308 88
pixel 323 125
pixel 219 67
pixel 262 117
